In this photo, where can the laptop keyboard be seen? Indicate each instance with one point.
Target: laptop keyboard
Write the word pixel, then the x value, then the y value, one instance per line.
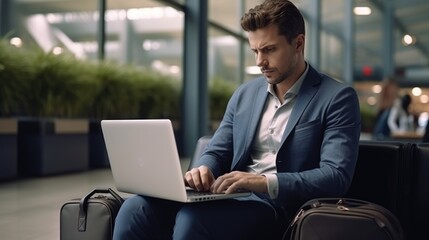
pixel 197 193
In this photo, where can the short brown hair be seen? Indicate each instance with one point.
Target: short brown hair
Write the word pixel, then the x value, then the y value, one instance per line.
pixel 281 12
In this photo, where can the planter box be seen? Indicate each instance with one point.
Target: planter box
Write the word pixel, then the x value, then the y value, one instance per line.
pixel 52 146
pixel 8 148
pixel 97 149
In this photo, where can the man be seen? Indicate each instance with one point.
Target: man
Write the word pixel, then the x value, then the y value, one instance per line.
pixel 289 136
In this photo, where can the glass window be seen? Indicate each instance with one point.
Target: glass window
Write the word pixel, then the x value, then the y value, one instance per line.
pixel 58 27
pixel 145 33
pixel 331 54
pixel 225 13
pixel 251 3
pixel 369 29
pixel 223 56
pixel 251 70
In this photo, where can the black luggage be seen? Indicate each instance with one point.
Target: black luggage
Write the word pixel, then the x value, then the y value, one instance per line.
pixel 91 217
pixel 344 218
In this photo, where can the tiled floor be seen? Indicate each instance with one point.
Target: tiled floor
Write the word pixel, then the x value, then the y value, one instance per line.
pixel 30 208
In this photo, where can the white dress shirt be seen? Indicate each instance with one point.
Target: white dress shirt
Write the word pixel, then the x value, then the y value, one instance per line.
pixel 267 140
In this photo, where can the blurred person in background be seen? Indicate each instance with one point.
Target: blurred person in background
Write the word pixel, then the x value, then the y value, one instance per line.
pixel 425 137
pixel 400 119
pixel 388 94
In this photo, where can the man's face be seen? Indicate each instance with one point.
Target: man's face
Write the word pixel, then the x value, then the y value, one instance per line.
pixel 276 57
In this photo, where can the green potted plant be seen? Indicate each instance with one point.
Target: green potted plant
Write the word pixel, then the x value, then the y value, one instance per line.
pixel 220 91
pixel 54 137
pixel 115 97
pixel 128 92
pixel 16 68
pixel 60 102
pixel 159 95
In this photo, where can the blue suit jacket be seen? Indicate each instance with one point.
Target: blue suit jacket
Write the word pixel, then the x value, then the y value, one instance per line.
pixel 319 146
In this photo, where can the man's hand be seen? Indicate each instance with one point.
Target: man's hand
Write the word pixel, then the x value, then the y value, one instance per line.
pixel 200 178
pixel 234 181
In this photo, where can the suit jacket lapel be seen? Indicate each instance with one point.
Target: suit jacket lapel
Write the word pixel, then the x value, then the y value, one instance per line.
pixel 256 107
pixel 257 111
pixel 306 93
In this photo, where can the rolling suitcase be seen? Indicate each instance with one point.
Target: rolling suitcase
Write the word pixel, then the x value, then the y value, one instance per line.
pixel 91 217
pixel 344 218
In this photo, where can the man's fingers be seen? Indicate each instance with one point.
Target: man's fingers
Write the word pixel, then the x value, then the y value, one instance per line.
pixel 206 177
pixel 188 180
pixel 199 178
pixel 222 183
pixel 236 181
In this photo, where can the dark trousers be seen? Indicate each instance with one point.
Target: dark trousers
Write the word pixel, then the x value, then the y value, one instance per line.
pixel 151 218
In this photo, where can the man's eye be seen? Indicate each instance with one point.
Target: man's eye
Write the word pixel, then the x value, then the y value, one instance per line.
pixel 266 50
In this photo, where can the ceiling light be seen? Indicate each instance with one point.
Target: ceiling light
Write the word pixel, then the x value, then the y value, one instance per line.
pixel 149 45
pixel 416 91
pixel 408 40
pixel 16 41
pixel 362 11
pixel 371 101
pixel 376 88
pixel 174 69
pixel 253 70
pixel 57 50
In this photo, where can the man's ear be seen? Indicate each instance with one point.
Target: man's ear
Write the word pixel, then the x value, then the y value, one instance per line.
pixel 299 42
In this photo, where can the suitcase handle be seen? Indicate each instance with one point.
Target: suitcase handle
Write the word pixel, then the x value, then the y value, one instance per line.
pixel 340 201
pixel 83 205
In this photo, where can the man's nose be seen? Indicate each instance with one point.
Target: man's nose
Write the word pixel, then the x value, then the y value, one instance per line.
pixel 261 61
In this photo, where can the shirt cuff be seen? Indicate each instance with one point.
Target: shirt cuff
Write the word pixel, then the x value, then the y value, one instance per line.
pixel 273 185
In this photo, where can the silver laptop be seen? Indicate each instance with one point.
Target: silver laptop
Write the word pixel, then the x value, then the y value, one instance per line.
pixel 144 160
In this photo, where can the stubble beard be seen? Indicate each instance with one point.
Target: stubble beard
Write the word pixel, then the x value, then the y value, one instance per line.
pixel 284 75
pixel 281 78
